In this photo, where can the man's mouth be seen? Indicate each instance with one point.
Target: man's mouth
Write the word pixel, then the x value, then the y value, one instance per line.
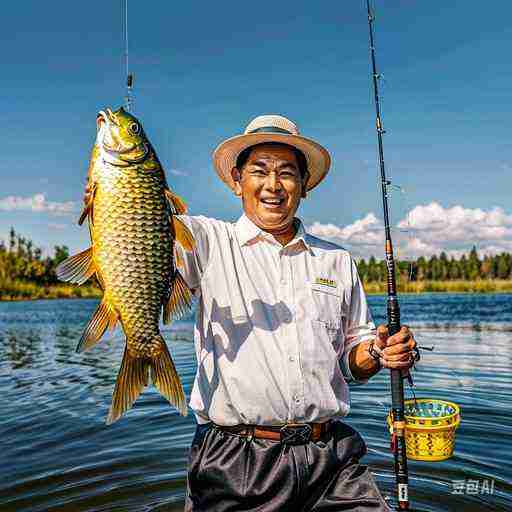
pixel 272 202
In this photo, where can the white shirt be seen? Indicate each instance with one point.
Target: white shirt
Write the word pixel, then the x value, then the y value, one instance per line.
pixel 274 325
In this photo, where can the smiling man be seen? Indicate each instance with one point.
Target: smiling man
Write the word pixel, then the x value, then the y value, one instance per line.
pixel 282 325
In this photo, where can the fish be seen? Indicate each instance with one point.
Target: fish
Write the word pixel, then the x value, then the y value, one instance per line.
pixel 133 227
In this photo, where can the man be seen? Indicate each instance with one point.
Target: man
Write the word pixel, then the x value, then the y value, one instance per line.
pixel 282 324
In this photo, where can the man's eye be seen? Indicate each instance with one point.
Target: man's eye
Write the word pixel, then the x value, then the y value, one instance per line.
pixel 258 172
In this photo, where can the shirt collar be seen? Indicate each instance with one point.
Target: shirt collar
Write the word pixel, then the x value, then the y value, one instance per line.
pixel 247 231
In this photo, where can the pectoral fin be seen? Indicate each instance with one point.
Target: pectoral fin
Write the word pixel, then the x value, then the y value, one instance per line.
pixel 104 316
pixel 182 234
pixel 180 300
pixel 177 204
pixel 78 268
pixel 178 259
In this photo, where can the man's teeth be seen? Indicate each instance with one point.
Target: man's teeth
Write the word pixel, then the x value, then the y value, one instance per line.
pixel 272 201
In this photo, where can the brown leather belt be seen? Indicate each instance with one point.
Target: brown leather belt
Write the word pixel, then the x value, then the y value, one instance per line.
pixel 291 433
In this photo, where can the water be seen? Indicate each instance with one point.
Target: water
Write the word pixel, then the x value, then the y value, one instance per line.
pixel 58 454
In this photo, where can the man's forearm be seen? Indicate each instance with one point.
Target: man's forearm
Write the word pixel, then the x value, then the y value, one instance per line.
pixel 362 365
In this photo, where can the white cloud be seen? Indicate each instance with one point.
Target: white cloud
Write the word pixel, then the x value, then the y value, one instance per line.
pixel 36 203
pixel 427 230
pixel 57 225
pixel 366 231
pixel 177 172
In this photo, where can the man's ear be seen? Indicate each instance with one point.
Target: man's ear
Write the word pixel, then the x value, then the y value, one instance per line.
pixel 305 184
pixel 236 175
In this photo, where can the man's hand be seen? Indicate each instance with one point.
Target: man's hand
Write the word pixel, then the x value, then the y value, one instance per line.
pixel 397 351
pixel 87 193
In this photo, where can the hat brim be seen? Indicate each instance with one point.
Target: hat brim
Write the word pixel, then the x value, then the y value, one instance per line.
pixel 226 154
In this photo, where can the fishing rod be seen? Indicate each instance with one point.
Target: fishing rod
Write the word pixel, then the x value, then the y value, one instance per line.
pixel 129 76
pixel 393 308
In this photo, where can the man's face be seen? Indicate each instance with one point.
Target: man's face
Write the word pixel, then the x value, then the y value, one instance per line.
pixel 271 186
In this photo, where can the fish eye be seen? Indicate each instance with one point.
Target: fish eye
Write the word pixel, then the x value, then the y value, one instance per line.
pixel 134 128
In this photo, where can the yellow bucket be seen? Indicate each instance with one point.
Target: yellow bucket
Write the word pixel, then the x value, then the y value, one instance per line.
pixel 429 428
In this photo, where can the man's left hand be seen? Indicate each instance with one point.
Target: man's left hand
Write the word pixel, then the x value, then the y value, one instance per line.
pixel 397 351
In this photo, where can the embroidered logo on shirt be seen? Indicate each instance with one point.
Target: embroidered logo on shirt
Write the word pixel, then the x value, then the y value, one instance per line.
pixel 326 282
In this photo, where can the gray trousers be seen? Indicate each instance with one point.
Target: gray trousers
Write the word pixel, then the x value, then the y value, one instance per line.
pixel 229 473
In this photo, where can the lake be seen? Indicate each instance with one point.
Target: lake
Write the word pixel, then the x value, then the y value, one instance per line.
pixel 58 454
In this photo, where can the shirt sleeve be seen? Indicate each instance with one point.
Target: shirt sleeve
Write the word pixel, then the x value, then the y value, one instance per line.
pixel 358 325
pixel 192 265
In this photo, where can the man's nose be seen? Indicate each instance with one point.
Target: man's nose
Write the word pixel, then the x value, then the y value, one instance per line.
pixel 273 182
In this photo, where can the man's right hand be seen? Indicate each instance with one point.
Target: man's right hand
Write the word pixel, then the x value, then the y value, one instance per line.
pixel 87 193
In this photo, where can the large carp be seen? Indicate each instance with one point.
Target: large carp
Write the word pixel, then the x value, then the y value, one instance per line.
pixel 133 228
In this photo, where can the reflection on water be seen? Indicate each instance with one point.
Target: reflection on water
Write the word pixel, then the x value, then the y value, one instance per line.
pixel 60 455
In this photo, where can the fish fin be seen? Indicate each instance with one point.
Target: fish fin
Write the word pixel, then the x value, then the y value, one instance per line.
pixel 88 208
pixel 180 300
pixel 182 234
pixel 132 378
pixel 166 378
pixel 177 204
pixel 99 277
pixel 178 259
pixel 104 316
pixel 78 268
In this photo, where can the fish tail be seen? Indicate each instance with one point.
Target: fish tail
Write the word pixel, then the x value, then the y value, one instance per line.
pixel 133 377
pixel 131 380
pixel 166 378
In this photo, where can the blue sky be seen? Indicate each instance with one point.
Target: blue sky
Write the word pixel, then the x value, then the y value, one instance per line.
pixel 204 70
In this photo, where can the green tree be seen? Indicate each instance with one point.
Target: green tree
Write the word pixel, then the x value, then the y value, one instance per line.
pixel 422 269
pixel 362 269
pixel 503 266
pixel 473 265
pixel 443 266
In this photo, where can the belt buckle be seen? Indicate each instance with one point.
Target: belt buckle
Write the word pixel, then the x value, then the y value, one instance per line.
pixel 296 434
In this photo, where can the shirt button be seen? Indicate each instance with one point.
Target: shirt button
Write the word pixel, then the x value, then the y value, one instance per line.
pixel 296 398
pixel 283 281
pixel 292 359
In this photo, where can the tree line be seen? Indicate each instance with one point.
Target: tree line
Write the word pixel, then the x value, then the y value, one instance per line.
pixel 20 260
pixel 441 268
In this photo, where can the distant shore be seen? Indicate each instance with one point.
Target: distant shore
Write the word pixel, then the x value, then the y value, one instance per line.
pixel 17 291
pixel 454 286
pixel 31 291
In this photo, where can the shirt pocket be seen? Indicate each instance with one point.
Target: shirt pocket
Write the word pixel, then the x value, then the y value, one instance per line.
pixel 328 306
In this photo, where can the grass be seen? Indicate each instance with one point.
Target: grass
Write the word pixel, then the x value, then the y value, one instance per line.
pixel 460 286
pixel 23 290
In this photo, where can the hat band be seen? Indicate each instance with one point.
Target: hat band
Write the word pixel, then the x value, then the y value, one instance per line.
pixel 270 129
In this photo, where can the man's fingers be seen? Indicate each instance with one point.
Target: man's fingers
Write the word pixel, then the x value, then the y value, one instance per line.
pixel 399 337
pixel 402 356
pixel 395 365
pixel 399 348
pixel 382 336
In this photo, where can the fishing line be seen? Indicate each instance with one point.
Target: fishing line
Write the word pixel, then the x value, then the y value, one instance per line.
pixel 407 230
pixel 129 76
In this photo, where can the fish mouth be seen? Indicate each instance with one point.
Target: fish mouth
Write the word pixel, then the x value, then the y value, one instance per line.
pixel 131 153
pixel 136 153
pixel 105 117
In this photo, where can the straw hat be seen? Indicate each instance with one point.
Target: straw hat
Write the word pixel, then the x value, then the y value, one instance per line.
pixel 271 128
